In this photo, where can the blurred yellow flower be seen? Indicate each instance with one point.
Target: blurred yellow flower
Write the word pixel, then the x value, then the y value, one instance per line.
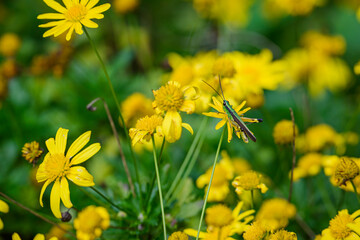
pixel 343 226
pixel 346 170
pixel 9 44
pixel 357 68
pixel 282 234
pixel 221 112
pixel 38 236
pixel 178 236
pixel 308 165
pixel 249 181
pixel 170 99
pixel 55 231
pixel 223 223
pixel 134 107
pixel 240 164
pixel 72 17
pixel 145 128
pixel 324 44
pixel 255 232
pixel 224 172
pixel 58 167
pixel 275 213
pixel 4 208
pixel 295 8
pixel 283 132
pixel 31 151
pixel 125 6
pixel 255 100
pixel 91 222
pixel 224 67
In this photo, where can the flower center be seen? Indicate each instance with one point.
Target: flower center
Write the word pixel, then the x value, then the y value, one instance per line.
pixel 218 216
pixel 57 166
pixel 169 97
pixel 248 181
pixel 338 227
pixel 149 124
pixel 76 13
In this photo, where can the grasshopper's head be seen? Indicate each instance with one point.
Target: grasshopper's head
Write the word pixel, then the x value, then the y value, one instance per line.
pixel 226 102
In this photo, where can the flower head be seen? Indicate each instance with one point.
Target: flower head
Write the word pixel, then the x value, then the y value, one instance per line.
pixel 178 236
pixel 308 165
pixel 145 128
pixel 283 234
pixel 226 118
pixel 90 222
pixel 255 232
pixel 57 167
pixel 134 107
pixel 346 170
pixel 125 6
pixel 9 44
pixel 38 236
pixel 249 181
pixel 343 226
pixel 72 17
pixel 283 132
pixel 31 151
pixel 5 209
pixel 218 216
pixel 170 99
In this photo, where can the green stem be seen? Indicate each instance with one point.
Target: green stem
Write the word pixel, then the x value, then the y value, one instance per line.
pixel 178 176
pixel 105 198
pixel 116 102
pixel 209 186
pixel 357 195
pixel 159 186
pixel 252 198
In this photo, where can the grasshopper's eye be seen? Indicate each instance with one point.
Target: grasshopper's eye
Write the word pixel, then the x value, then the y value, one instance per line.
pixel 224 103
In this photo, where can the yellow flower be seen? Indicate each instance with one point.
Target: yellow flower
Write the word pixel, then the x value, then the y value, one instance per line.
pixel 343 226
pixel 224 67
pixel 255 100
pixel 275 213
pixel 249 181
pixel 134 107
pixel 170 99
pixel 224 172
pixel 72 17
pixel 9 44
pixel 31 151
pixel 5 209
pixel 240 165
pixel 357 67
pixel 178 236
pixel 291 7
pixel 283 132
pixel 145 128
pixel 55 231
pixel 38 236
pixel 90 222
pixel 222 114
pixel 225 223
pixel 308 165
pixel 58 167
pixel 255 232
pixel 346 170
pixel 325 44
pixel 283 234
pixel 125 6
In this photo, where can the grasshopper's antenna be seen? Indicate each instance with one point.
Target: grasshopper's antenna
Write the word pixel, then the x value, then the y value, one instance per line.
pixel 221 88
pixel 213 89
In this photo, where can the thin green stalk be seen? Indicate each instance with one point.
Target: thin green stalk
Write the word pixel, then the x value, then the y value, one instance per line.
pixel 209 186
pixel 116 102
pixel 106 198
pixel 357 195
pixel 159 186
pixel 252 198
pixel 178 176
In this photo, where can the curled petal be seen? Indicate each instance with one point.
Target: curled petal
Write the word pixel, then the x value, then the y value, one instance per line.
pixel 78 144
pixel 43 190
pixel 188 106
pixel 188 127
pixel 80 176
pixel 65 193
pixel 41 173
pixel 172 126
pixel 4 207
pixel 230 131
pixel 55 199
pixel 86 154
pixel 16 236
pixel 39 236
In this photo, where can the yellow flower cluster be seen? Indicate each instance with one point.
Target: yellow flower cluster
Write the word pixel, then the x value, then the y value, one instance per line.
pixel 308 165
pixel 316 65
pixel 31 151
pixel 283 132
pixel 249 181
pixel 343 226
pixel 290 7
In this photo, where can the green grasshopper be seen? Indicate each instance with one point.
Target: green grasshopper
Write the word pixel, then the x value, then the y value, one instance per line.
pixel 234 117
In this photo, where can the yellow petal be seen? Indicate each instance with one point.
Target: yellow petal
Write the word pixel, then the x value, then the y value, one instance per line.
pixel 16 236
pixel 55 5
pixel 95 15
pixel 220 124
pixel 84 2
pixel 193 232
pixel 188 127
pixel 237 209
pixel 80 176
pixel 52 24
pixel 65 193
pixel 78 144
pixel 88 23
pixel 100 9
pixel 55 199
pixel 78 28
pixel 64 27
pixel 60 140
pixel 68 3
pixel 50 144
pixel 172 126
pixel 138 136
pixel 230 131
pixel 4 207
pixel 214 114
pixel 41 173
pixel 1 224
pixel 238 108
pixel 188 106
pixel 43 190
pixel 86 154
pixel 39 236
pixel 91 3
pixel 70 32
pixel 51 16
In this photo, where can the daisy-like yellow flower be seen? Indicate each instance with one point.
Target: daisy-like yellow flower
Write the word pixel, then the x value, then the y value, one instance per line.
pixel 90 222
pixel 343 226
pixel 178 236
pixel 228 119
pixel 73 16
pixel 346 170
pixel 249 181
pixel 283 132
pixel 31 151
pixel 5 209
pixel 308 165
pixel 57 167
pixel 170 99
pixel 38 236
pixel 255 232
pixel 145 127
pixel 283 234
